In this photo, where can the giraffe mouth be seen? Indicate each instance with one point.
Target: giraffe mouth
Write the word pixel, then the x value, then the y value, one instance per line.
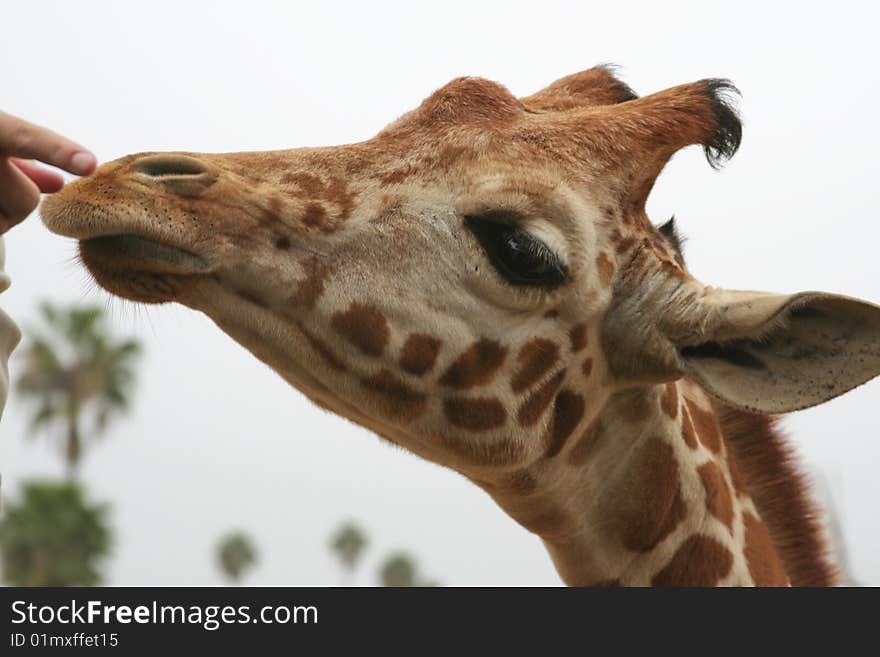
pixel 141 269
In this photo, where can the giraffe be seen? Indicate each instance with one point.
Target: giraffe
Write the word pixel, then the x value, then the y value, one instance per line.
pixel 480 284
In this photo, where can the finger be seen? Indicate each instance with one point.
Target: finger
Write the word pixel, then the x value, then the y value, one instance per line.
pixel 48 181
pixel 19 195
pixel 20 138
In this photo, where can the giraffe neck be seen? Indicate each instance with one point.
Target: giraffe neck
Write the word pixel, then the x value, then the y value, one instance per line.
pixel 648 495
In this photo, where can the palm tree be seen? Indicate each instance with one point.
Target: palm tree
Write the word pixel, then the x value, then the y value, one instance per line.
pixel 399 569
pixel 76 376
pixel 348 543
pixel 52 537
pixel 236 554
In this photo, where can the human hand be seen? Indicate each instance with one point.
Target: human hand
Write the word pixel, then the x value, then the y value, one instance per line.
pixel 21 179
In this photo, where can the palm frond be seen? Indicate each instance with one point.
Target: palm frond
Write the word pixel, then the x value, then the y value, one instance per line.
pixel 74 367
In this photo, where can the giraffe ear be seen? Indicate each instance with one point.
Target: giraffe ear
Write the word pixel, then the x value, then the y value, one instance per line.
pixel 775 353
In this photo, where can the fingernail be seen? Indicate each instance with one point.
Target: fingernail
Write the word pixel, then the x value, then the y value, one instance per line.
pixel 82 163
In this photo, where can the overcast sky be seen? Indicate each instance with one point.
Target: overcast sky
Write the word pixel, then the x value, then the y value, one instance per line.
pixel 218 441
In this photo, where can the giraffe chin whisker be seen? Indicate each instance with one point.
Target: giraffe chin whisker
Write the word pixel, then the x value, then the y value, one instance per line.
pixel 144 254
pixel 141 269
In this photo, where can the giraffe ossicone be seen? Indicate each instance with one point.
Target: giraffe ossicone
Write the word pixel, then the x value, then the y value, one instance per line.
pixel 480 284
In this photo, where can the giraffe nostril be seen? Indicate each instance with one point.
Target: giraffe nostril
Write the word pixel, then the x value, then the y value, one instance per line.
pixel 164 166
pixel 182 175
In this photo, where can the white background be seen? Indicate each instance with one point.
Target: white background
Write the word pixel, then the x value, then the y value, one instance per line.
pixel 217 441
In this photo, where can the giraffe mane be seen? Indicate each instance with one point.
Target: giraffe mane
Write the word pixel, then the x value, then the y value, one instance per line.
pixel 781 493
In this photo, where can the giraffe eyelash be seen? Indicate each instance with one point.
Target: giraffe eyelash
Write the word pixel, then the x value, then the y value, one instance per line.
pixel 519 257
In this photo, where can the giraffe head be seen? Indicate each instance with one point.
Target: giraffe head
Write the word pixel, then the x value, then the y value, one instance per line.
pixel 475 281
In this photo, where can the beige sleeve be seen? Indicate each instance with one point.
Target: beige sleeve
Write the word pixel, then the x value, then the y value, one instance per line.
pixel 9 336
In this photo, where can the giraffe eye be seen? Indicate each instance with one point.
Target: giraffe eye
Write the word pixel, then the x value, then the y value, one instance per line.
pixel 518 256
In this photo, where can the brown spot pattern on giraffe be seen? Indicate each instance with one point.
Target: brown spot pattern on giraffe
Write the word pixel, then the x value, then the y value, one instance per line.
pixel 624 244
pixel 765 566
pixel 706 426
pixel 419 353
pixel 669 400
pixel 651 506
pixel 699 561
pixel 568 411
pixel 480 414
pixel 577 336
pixel 587 367
pixel 315 190
pixel 314 216
pixel 718 499
pixel 476 366
pixel 605 268
pixel 364 327
pixel 276 203
pixel 534 406
pixel 310 288
pixel 687 429
pixel 392 398
pixel 533 361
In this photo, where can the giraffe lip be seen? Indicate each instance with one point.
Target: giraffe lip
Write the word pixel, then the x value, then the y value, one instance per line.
pixel 141 254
